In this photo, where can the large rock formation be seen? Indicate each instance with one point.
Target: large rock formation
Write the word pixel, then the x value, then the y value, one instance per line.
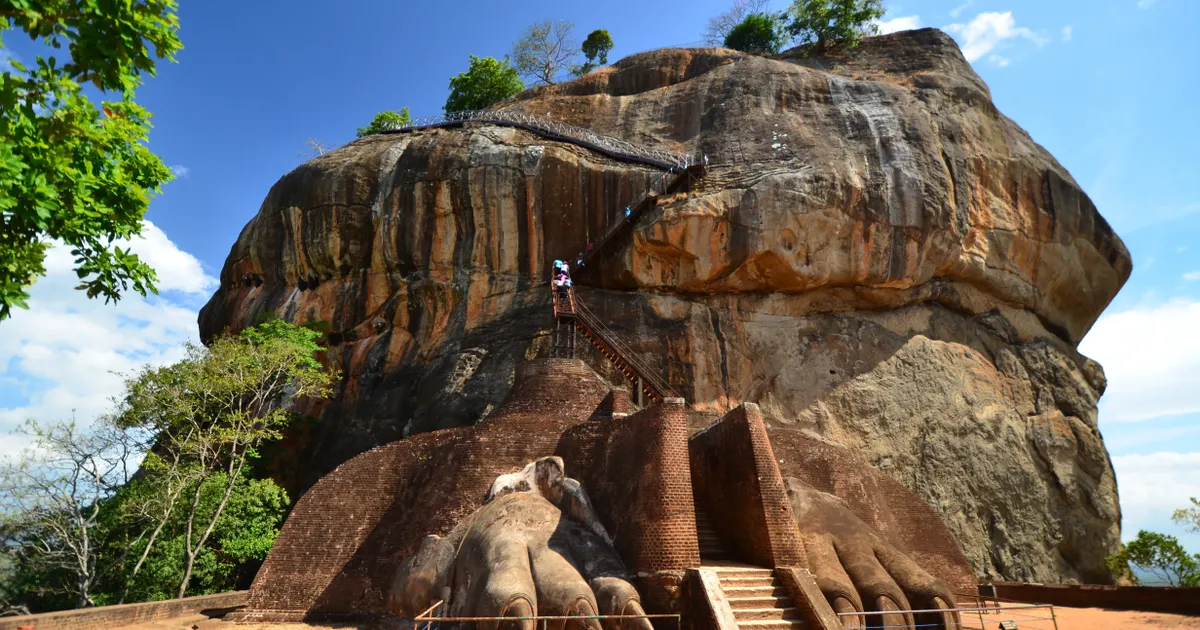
pixel 877 257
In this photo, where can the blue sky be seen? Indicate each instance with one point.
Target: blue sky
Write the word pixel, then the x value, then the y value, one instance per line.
pixel 1108 86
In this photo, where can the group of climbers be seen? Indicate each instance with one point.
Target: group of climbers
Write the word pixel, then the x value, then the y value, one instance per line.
pixel 562 282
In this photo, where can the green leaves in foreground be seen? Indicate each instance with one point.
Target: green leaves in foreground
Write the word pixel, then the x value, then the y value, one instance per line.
pixel 69 170
pixel 487 82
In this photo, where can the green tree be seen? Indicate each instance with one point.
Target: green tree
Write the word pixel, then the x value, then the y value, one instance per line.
pixel 217 405
pixel 595 49
pixel 69 172
pixel 720 25
pixel 545 50
pixel 1189 517
pixel 487 82
pixel 1160 555
pixel 759 33
pixel 385 120
pixel 826 22
pixel 52 519
pixel 244 532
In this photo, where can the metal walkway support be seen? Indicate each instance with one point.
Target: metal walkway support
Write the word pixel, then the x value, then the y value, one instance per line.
pixel 570 316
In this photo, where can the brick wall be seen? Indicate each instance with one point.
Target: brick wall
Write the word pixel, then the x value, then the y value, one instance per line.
pixel 1163 599
pixel 104 617
pixel 345 538
pixel 740 487
pixel 635 470
pixel 900 516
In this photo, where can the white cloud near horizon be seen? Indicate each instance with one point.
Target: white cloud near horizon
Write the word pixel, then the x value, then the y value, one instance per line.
pixel 982 35
pixel 1151 356
pixel 1146 4
pixel 180 170
pixel 1067 32
pixel 1152 486
pixel 956 11
pixel 998 60
pixel 904 23
pixel 1190 276
pixel 64 355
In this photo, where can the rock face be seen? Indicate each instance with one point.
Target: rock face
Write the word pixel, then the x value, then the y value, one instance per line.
pixel 878 257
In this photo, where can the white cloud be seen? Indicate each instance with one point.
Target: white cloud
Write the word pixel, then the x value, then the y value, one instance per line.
pixel 998 60
pixel 1151 356
pixel 177 270
pixel 1146 4
pixel 1191 276
pixel 987 31
pixel 180 170
pixel 58 357
pixel 1067 31
pixel 956 11
pixel 905 23
pixel 1152 486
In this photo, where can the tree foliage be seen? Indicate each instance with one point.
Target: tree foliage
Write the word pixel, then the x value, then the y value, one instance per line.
pixel 82 530
pixel 545 50
pixel 385 120
pixel 69 170
pixel 1189 517
pixel 759 33
pixel 1159 555
pixel 487 82
pixel 841 22
pixel 720 25
pixel 52 519
pixel 595 48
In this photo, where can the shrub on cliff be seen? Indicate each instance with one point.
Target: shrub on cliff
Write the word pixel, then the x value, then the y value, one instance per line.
pixel 842 22
pixel 69 170
pixel 385 120
pixel 759 33
pixel 487 82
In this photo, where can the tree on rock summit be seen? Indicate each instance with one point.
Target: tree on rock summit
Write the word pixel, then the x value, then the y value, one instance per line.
pixel 545 50
pixel 825 22
pixel 487 82
pixel 595 48
pixel 759 33
pixel 386 120
pixel 70 171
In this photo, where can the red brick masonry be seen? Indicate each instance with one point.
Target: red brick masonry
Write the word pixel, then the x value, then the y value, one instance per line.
pixel 1162 599
pixel 740 487
pixel 635 470
pixel 104 617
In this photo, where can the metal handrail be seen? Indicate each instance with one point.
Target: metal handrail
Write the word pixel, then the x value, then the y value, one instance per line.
pixel 626 353
pixel 543 126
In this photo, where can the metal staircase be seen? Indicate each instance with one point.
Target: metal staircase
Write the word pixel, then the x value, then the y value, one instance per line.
pixel 571 315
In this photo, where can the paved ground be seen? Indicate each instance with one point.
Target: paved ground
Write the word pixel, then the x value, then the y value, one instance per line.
pixel 1068 619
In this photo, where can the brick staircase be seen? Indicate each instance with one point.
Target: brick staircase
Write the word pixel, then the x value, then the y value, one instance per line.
pixel 758 599
pixel 711 548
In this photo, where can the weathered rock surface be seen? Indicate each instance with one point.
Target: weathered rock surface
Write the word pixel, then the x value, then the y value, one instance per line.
pixel 878 258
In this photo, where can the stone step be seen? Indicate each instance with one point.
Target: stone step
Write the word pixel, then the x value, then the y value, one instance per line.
pixel 747 580
pixel 759 602
pixel 742 570
pixel 766 614
pixel 772 624
pixel 755 591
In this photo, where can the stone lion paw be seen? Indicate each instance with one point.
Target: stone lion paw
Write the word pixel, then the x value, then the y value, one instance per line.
pixel 535 548
pixel 860 572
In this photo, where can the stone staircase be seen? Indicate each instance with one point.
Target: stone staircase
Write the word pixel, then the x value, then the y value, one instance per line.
pixel 758 599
